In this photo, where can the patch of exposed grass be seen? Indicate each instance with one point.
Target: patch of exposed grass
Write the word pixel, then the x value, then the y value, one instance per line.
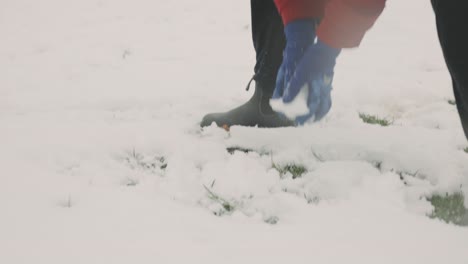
pixel 67 203
pixel 312 200
pixel 296 170
pixel 226 205
pixel 136 160
pixel 452 102
pixel 130 182
pixel 466 150
pixel 232 150
pixel 272 220
pixel 450 208
pixel 375 120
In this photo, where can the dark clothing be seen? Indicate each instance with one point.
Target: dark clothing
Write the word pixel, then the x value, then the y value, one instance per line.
pixel 452 26
pixel 269 42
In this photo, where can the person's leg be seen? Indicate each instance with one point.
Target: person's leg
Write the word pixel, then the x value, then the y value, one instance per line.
pixel 452 27
pixel 269 41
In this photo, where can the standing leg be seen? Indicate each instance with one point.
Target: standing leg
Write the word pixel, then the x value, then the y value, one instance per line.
pixel 452 27
pixel 269 41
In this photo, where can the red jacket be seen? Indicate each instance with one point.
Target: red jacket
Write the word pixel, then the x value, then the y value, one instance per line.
pixel 344 22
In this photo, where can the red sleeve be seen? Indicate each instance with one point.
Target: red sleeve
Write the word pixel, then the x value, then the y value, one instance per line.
pixel 344 22
pixel 291 10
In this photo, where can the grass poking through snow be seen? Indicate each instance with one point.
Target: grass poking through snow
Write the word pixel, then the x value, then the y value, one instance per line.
pixel 227 206
pixel 138 161
pixel 374 120
pixel 295 170
pixel 232 150
pixel 452 102
pixel 450 208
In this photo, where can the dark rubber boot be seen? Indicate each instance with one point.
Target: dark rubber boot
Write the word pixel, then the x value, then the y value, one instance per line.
pixel 269 41
pixel 256 112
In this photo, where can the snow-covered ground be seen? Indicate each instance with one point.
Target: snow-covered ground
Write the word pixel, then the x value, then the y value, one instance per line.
pixel 102 159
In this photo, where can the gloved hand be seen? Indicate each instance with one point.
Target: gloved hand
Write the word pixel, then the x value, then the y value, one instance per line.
pixel 300 35
pixel 308 66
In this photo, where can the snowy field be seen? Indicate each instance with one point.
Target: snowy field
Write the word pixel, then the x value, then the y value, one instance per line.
pixel 102 159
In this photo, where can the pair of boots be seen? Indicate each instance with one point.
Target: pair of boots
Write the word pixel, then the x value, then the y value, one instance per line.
pixel 255 112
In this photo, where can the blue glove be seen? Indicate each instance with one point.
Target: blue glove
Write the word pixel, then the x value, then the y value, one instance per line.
pixel 300 35
pixel 306 64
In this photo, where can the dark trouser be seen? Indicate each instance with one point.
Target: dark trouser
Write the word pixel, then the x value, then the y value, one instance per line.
pixel 269 41
pixel 452 26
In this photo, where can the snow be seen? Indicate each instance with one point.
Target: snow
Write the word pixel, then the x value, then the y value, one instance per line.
pixel 297 107
pixel 103 160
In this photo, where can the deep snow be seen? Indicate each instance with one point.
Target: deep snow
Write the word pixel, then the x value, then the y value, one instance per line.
pixel 102 160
